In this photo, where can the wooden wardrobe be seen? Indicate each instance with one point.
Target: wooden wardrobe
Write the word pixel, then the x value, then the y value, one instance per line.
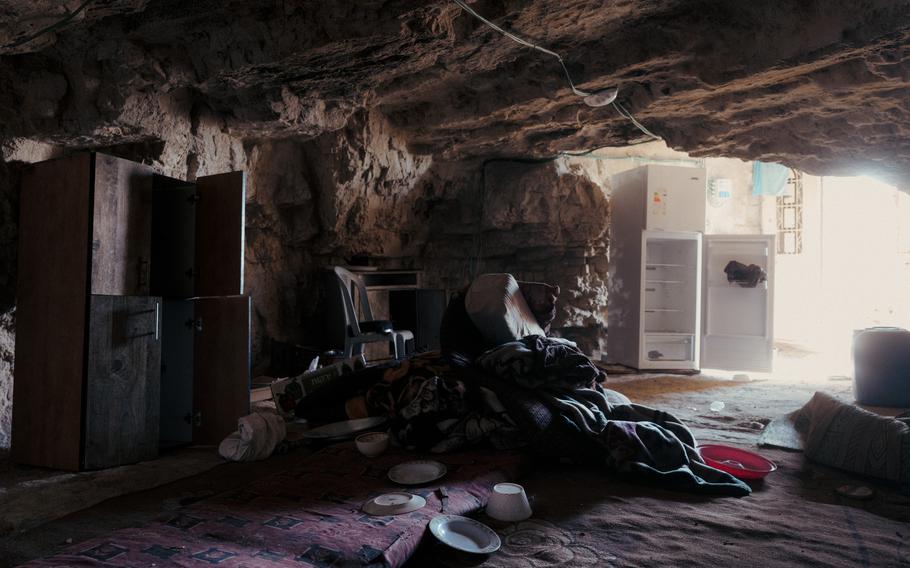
pixel 91 307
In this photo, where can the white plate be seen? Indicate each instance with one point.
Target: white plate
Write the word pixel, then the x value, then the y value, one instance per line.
pixel 417 472
pixel 342 430
pixel 464 534
pixel 396 503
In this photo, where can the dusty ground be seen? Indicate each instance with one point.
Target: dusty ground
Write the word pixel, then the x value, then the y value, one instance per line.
pixel 32 496
pixel 747 406
pixel 132 510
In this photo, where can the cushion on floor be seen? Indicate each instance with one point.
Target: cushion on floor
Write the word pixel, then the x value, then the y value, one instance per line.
pixel 497 307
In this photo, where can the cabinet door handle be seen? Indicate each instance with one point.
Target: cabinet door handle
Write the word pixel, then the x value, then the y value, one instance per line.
pixel 194 419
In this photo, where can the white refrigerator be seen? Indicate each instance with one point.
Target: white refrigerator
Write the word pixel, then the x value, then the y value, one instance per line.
pixel 671 305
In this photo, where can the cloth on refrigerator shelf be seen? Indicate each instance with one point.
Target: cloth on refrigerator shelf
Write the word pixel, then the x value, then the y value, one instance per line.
pixel 746 276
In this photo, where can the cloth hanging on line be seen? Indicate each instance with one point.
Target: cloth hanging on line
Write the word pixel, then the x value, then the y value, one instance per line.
pixel 769 178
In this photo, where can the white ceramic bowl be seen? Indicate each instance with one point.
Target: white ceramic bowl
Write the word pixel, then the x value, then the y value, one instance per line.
pixel 372 444
pixel 464 534
pixel 508 502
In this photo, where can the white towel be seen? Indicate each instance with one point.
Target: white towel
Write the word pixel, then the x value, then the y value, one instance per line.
pixel 257 436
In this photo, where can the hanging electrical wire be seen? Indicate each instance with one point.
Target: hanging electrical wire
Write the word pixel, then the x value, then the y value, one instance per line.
pixel 598 98
pixel 56 25
pixel 622 111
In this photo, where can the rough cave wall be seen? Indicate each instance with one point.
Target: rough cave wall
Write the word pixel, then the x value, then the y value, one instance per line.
pixel 358 192
pixel 537 221
pixel 9 212
pixel 321 202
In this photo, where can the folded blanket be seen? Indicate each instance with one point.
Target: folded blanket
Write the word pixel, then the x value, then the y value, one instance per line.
pixel 256 437
pixel 550 390
pixel 842 435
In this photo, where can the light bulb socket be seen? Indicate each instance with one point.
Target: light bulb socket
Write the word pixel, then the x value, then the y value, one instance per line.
pixel 602 97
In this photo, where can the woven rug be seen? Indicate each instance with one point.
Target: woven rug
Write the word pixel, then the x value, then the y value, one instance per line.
pixel 308 515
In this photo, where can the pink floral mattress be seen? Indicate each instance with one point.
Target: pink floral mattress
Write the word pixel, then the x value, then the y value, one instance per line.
pixel 307 516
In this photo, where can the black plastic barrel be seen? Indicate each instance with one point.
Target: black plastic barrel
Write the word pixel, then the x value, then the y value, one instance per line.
pixel 881 362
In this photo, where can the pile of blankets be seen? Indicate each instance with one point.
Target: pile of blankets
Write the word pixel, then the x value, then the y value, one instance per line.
pixel 542 393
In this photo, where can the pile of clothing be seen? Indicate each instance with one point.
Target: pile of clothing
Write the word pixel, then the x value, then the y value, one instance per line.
pixel 531 391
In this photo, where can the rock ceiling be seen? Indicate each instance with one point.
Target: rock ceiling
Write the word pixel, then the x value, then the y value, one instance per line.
pixel 818 84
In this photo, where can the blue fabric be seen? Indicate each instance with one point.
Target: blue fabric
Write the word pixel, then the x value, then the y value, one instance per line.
pixel 769 178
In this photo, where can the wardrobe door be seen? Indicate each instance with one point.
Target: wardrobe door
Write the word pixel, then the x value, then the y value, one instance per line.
pixel 121 226
pixel 54 232
pixel 123 381
pixel 177 335
pixel 221 361
pixel 220 234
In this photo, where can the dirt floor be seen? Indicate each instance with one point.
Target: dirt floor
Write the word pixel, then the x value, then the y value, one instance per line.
pixel 747 408
pixel 134 509
pixel 794 518
pixel 32 496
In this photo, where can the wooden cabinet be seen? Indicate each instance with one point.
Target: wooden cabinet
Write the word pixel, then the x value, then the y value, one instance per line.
pixel 89 341
pixel 197 267
pixel 75 250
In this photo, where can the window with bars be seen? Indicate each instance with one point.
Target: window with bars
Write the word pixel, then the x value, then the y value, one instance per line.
pixel 790 216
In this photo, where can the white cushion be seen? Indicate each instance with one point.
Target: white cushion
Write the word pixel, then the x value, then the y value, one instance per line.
pixel 496 306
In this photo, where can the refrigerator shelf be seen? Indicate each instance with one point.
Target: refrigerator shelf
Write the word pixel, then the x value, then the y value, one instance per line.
pixel 725 284
pixel 670 333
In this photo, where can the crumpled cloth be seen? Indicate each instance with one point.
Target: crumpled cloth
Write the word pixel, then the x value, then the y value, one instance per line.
pixel 537 361
pixel 432 408
pixel 552 392
pixel 746 276
pixel 256 437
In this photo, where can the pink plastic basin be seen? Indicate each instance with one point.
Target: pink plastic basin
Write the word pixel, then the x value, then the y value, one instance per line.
pixel 737 462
